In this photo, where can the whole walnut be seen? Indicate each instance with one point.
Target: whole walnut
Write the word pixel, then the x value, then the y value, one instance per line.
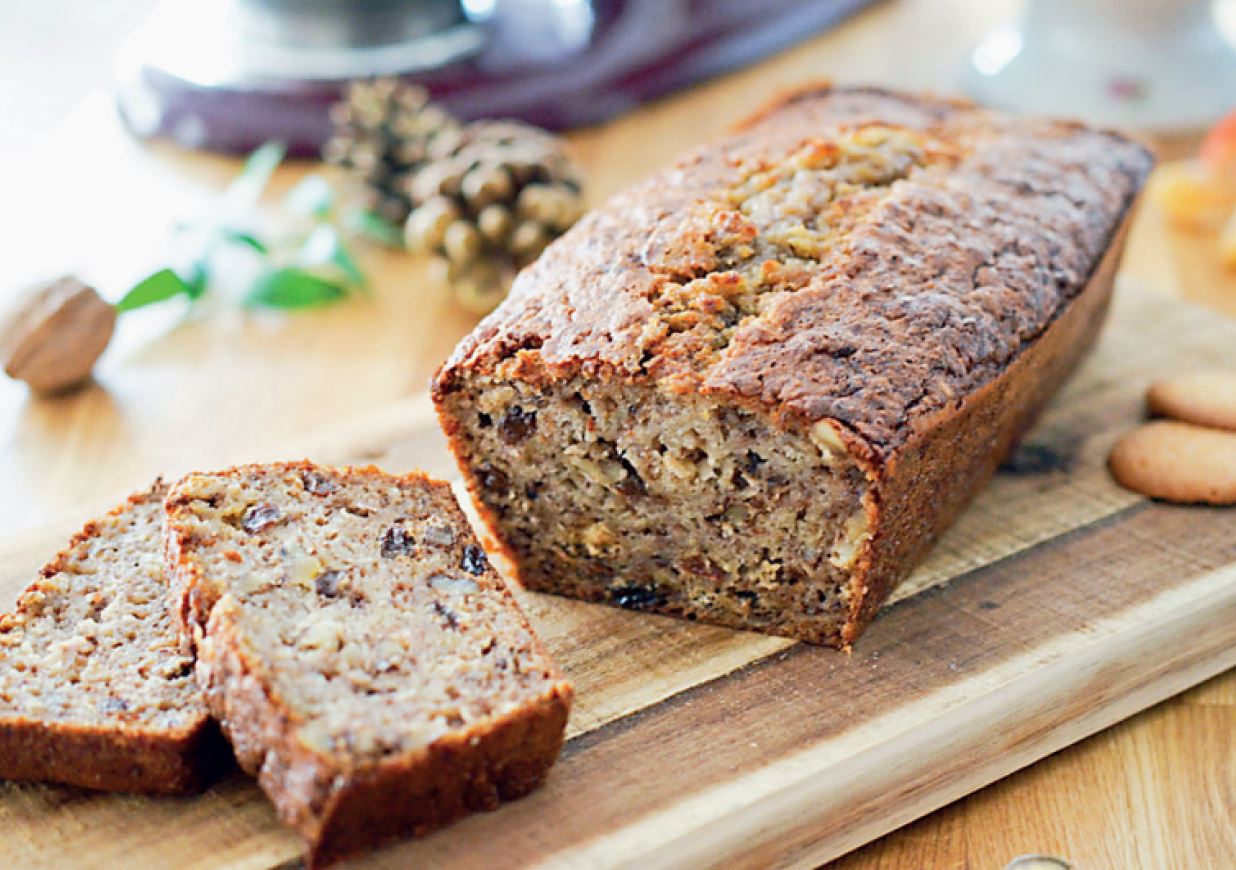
pixel 52 335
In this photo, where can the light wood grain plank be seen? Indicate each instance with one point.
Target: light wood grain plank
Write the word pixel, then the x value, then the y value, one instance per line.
pixel 1118 775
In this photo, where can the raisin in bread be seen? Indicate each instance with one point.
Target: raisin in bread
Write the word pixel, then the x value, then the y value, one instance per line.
pixel 755 389
pixel 94 688
pixel 366 661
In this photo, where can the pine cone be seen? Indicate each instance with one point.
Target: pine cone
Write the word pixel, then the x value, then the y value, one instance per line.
pixel 383 133
pixel 491 197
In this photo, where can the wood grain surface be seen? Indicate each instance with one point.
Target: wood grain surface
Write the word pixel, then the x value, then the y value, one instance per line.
pixel 665 701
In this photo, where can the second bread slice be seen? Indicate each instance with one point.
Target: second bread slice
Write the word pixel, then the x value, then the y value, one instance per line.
pixel 367 663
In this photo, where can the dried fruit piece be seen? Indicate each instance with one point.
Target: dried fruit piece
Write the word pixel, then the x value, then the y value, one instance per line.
pixel 259 517
pixel 516 425
pixel 397 542
pixel 494 479
pixel 474 560
pixel 327 584
pixel 635 597
pixel 54 334
pixel 317 484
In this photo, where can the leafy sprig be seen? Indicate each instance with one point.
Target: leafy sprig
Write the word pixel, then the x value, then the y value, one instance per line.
pixel 304 269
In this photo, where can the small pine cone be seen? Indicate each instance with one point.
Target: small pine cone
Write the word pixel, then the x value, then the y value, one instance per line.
pixel 478 286
pixel 491 197
pixel 384 133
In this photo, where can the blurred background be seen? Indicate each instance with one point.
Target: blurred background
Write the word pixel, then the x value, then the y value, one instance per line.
pixel 251 69
pixel 51 58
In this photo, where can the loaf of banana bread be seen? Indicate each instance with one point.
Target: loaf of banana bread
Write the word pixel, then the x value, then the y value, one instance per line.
pixel 363 657
pixel 755 388
pixel 94 688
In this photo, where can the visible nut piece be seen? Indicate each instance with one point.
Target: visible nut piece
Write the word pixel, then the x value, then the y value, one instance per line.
pixel 854 534
pixel 598 537
pixel 54 334
pixel 439 536
pixel 458 585
pixel 305 570
pixel 317 484
pixel 826 436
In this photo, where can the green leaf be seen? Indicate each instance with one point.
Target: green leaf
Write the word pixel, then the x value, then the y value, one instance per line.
pixel 245 191
pixel 162 285
pixel 324 247
pixel 241 237
pixel 312 197
pixel 376 227
pixel 293 288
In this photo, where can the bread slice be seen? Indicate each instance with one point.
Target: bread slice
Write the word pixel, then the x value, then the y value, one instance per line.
pixel 95 690
pixel 366 661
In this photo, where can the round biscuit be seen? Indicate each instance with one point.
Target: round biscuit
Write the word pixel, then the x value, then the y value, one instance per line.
pixel 1177 462
pixel 1207 398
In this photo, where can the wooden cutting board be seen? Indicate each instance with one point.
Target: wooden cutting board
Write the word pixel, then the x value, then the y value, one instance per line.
pixel 1058 605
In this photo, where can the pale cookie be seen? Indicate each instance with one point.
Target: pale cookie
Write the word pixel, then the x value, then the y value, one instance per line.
pixel 1177 462
pixel 1206 398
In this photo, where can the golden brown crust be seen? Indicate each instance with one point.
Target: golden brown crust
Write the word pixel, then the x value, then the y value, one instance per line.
pixel 111 759
pixel 342 811
pixel 960 292
pixel 950 459
pixel 122 756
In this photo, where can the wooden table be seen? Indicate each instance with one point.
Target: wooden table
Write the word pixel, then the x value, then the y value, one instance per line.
pixel 178 391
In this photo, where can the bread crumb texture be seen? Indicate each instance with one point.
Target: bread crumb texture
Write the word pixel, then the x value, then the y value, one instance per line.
pixel 368 603
pixel 365 659
pixel 92 641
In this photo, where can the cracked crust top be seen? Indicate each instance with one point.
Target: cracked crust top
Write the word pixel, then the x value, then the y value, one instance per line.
pixel 849 254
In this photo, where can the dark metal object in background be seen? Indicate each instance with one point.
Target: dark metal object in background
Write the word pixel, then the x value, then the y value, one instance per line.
pixel 231 74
